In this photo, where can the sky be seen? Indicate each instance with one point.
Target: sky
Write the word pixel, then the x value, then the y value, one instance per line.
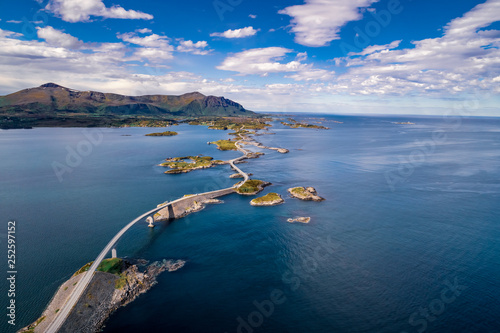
pixel 424 57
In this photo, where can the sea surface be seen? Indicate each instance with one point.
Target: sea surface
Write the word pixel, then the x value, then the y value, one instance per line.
pixel 407 240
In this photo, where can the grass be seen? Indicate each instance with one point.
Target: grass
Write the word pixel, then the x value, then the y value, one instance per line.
pixel 167 133
pixel 113 266
pixel 225 144
pixel 300 191
pixel 178 164
pixel 267 198
pixel 296 124
pixel 250 186
pixel 121 282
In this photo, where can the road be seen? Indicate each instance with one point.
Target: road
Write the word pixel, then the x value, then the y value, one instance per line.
pixel 85 280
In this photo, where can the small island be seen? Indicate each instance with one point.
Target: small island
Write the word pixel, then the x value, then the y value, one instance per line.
pixel 167 133
pixel 299 219
pixel 307 194
pixel 225 144
pixel 189 163
pixel 295 124
pixel 270 199
pixel 252 187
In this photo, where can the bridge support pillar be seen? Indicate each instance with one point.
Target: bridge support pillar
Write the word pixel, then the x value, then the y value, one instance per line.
pixel 113 253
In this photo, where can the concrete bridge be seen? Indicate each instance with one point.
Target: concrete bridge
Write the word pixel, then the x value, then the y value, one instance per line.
pixel 172 209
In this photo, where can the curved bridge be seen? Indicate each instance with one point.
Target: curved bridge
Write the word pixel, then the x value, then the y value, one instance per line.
pixel 85 280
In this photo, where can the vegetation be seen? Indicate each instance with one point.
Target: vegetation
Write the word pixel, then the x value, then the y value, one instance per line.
pixel 113 266
pixel 270 197
pixel 225 144
pixel 251 186
pixel 121 282
pixel 232 123
pixel 31 328
pixel 301 191
pixel 189 163
pixel 295 124
pixel 167 133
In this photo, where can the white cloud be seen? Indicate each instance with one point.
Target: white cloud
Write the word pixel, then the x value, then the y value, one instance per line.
pixel 377 48
pixel 252 16
pixel 58 38
pixel 264 61
pixel 14 21
pixel 82 10
pixel 189 46
pixel 318 22
pixel 301 56
pixel 144 31
pixel 465 59
pixel 237 33
pixel 260 61
pixel 155 48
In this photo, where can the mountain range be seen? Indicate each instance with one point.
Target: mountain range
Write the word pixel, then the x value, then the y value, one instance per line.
pixel 53 99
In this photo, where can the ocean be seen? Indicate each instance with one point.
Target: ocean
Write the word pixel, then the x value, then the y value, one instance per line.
pixel 407 239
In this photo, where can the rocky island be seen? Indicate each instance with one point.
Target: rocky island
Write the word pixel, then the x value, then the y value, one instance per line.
pixel 295 124
pixel 299 219
pixel 116 283
pixel 190 163
pixel 270 199
pixel 303 193
pixel 167 133
pixel 252 187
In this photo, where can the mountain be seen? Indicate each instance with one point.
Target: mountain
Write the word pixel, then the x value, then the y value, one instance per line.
pixel 51 99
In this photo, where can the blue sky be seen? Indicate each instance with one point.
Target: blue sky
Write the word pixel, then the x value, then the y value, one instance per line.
pixel 336 56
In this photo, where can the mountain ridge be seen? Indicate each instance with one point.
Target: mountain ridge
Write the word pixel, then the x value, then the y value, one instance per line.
pixel 52 98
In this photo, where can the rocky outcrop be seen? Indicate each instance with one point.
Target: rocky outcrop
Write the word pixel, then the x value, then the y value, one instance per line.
pixel 106 293
pixel 299 219
pixel 270 199
pixel 303 193
pixel 238 175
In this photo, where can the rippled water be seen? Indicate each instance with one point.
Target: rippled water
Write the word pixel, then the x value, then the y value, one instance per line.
pixel 410 210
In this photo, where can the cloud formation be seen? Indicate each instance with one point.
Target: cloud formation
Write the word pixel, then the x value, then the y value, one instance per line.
pixel 318 22
pixel 188 46
pixel 58 38
pixel 82 10
pixel 237 33
pixel 264 61
pixel 465 59
pixel 154 48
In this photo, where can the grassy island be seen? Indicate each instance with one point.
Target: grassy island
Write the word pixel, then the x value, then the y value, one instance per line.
pixel 303 193
pixel 167 133
pixel 270 199
pixel 225 145
pixel 189 163
pixel 295 124
pixel 252 186
pixel 232 123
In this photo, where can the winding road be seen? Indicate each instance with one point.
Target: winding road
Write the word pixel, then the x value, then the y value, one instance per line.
pixel 73 298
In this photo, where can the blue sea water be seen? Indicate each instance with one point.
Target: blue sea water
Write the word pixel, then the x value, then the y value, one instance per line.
pixel 406 241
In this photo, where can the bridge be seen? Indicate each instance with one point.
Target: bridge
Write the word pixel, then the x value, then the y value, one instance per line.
pixel 73 298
